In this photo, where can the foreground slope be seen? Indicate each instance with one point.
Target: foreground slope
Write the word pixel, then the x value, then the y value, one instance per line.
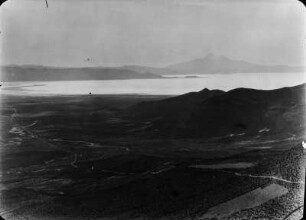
pixel 69 157
pixel 287 170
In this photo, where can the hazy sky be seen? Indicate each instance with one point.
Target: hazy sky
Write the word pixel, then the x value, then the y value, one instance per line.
pixel 150 32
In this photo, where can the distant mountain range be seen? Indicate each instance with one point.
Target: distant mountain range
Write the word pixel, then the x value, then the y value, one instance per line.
pixel 216 64
pixel 41 73
pixel 212 113
pixel 221 64
pixel 210 64
pixel 146 69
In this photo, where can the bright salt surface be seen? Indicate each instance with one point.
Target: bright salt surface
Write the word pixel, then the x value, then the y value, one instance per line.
pixel 163 86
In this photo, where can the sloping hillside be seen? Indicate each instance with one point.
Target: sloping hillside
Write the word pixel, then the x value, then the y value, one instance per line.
pixel 216 113
pixel 290 165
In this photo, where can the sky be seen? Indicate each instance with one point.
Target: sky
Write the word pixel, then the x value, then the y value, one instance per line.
pixel 150 32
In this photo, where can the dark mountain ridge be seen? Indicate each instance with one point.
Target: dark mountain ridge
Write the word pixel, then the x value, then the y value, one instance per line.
pixel 212 113
pixel 175 108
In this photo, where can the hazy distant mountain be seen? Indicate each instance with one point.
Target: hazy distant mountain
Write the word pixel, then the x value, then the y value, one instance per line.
pixel 208 65
pixel 146 69
pixel 211 113
pixel 214 64
pixel 221 64
pixel 41 73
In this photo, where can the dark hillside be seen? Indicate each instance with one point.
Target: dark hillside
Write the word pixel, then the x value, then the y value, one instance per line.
pixel 217 113
pixel 290 165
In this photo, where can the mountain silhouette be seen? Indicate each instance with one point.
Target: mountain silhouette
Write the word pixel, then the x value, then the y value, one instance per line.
pixel 220 64
pixel 211 113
